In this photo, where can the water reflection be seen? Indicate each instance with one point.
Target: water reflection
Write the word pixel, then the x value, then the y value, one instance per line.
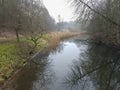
pixel 46 70
pixel 58 49
pixel 36 75
pixel 61 62
pixel 97 69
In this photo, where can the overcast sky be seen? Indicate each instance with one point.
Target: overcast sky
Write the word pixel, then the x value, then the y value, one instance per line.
pixel 59 7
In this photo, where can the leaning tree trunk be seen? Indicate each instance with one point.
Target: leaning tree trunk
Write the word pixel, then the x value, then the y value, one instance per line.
pixel 17 35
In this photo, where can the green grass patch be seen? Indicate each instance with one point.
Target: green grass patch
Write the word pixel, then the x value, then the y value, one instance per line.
pixel 46 36
pixel 9 60
pixel 41 43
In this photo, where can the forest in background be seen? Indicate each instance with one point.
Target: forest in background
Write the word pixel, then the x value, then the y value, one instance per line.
pixel 23 17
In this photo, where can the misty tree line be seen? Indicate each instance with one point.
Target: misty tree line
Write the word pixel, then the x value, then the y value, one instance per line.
pixel 102 17
pixel 24 17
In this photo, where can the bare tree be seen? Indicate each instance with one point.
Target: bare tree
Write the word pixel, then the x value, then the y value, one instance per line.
pixel 103 18
pixel 23 16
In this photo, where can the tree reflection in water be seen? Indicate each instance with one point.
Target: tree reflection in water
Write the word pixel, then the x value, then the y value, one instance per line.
pixel 97 69
pixel 36 75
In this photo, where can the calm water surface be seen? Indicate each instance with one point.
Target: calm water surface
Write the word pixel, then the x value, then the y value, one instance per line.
pixel 76 64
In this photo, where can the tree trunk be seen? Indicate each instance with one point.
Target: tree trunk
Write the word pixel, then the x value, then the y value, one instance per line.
pixel 17 35
pixel 118 39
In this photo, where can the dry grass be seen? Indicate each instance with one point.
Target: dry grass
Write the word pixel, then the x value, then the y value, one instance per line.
pixel 56 37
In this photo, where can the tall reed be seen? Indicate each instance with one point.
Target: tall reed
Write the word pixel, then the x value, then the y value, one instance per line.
pixel 56 37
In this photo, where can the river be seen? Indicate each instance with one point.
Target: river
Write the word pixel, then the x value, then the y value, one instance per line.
pixel 76 64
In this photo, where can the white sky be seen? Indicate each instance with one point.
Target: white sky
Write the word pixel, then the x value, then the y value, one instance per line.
pixel 59 7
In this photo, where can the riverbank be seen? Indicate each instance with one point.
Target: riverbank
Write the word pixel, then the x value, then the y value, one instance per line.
pixel 99 39
pixel 14 56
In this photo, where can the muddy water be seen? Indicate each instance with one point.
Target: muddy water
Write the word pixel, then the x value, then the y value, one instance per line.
pixel 76 64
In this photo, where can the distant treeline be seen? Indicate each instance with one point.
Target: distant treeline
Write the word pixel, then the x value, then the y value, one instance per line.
pixel 69 26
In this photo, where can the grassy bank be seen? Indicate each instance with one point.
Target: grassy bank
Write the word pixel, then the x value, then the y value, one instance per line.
pixel 7 58
pixel 10 60
pixel 14 55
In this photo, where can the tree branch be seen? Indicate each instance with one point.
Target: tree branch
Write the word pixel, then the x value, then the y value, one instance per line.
pixel 103 16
